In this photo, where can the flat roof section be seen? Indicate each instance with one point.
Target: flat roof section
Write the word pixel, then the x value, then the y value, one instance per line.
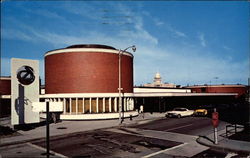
pixel 226 85
pixel 178 94
pixel 172 94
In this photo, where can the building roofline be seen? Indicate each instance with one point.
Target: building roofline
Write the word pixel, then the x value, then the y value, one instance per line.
pixel 222 85
pixel 5 77
pixel 87 48
pixel 160 87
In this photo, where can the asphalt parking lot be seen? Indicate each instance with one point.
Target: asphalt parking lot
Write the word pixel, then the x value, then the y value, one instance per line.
pixel 100 143
pixel 162 137
pixel 186 125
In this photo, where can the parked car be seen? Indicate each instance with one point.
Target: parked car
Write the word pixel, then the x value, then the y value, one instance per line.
pixel 179 112
pixel 200 112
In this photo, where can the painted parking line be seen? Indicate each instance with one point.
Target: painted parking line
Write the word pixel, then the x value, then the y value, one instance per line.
pixel 43 149
pixel 178 127
pixel 162 151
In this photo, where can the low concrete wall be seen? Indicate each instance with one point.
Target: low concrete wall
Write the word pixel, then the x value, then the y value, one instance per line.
pixel 100 116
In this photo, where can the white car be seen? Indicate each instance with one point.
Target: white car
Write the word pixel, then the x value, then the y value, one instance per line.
pixel 179 112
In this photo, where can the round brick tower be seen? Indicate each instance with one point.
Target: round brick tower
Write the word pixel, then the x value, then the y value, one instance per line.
pixel 87 69
pixel 85 78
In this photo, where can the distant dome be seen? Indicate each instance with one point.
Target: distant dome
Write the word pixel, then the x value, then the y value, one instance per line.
pixel 158 75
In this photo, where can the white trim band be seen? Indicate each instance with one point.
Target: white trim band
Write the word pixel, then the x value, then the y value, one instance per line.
pixel 83 50
pixel 85 95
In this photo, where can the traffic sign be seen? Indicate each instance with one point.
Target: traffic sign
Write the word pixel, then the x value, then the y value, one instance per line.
pixel 215 119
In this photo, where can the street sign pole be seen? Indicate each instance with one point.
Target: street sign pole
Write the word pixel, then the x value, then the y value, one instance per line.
pixel 215 136
pixel 215 121
pixel 47 129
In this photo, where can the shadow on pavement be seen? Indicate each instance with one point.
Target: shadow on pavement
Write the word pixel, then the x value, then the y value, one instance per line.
pixel 205 137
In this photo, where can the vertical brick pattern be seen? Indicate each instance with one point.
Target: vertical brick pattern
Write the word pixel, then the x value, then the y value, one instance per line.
pixel 87 72
pixel 5 87
pixel 241 90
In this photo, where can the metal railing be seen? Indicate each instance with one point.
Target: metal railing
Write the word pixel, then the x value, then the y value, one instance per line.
pixel 232 129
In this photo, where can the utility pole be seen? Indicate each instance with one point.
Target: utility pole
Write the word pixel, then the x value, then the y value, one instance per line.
pixel 119 78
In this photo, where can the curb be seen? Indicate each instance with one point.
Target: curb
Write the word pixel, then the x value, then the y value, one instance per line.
pixel 219 147
pixel 116 126
pixel 19 142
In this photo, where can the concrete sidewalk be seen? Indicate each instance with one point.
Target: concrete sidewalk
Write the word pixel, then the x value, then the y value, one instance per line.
pixel 225 144
pixel 67 127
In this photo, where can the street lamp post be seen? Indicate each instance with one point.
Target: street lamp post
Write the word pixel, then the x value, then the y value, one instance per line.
pixel 120 88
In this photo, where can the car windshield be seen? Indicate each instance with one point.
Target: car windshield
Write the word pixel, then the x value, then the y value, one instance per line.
pixel 179 109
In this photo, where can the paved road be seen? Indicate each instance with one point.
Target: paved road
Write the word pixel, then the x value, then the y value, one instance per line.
pixel 161 138
pixel 187 125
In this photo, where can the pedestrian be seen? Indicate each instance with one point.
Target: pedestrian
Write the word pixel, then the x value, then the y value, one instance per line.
pixel 141 111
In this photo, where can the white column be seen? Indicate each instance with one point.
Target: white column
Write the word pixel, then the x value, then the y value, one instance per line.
pixel 103 104
pixel 82 105
pixel 64 105
pixel 89 105
pixel 132 103
pixel 109 104
pixel 130 106
pixel 76 105
pixel 97 103
pixel 124 104
pixel 70 106
pixel 128 109
pixel 115 102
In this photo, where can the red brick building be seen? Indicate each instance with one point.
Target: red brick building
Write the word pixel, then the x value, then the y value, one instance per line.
pixel 5 92
pixel 85 79
pixel 5 85
pixel 240 89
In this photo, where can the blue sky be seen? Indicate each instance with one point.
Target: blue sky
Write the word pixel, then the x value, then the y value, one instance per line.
pixel 187 42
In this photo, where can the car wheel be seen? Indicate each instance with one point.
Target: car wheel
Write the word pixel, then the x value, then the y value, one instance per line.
pixel 179 116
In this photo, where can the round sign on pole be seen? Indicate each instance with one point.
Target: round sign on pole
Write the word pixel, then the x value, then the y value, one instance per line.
pixel 215 119
pixel 25 75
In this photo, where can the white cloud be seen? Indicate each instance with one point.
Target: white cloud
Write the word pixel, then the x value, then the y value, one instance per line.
pixel 175 32
pixel 86 10
pixel 136 33
pixel 156 21
pixel 181 34
pixel 187 68
pixel 15 35
pixel 139 32
pixel 201 37
pixel 227 48
pixel 45 13
pixel 149 57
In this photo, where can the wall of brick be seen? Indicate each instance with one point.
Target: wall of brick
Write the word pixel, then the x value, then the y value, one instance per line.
pixel 87 72
pixel 241 90
pixel 5 86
